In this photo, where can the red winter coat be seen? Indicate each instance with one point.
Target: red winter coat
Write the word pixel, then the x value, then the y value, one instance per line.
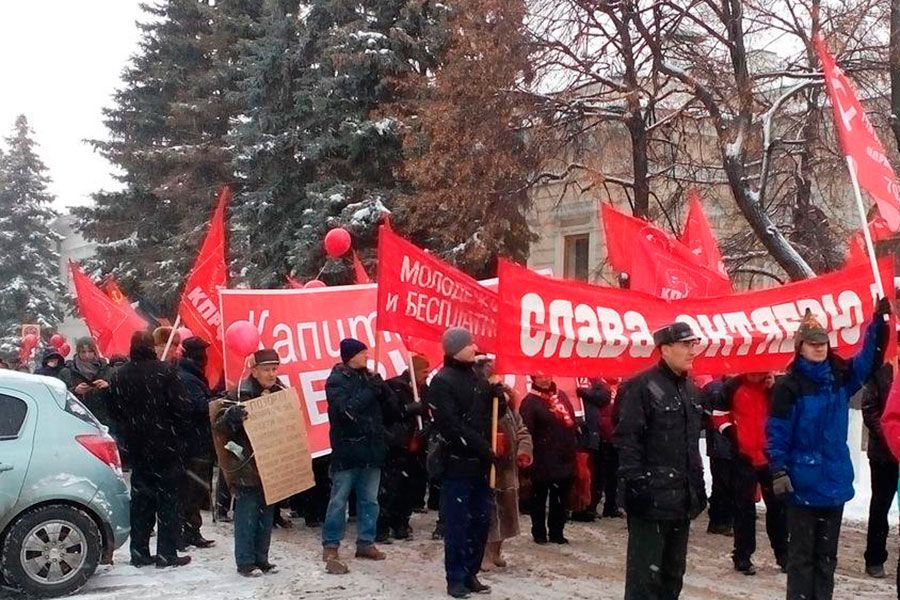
pixel 747 410
pixel 890 420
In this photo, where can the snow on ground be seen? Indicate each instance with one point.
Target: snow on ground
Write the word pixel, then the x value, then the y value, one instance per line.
pixel 591 567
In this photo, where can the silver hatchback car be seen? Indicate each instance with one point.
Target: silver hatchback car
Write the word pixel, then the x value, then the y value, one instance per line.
pixel 64 504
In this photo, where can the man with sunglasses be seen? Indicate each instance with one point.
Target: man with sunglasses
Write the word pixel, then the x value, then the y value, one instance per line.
pixel 660 466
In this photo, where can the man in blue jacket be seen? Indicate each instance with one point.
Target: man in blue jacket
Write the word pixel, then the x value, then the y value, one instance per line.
pixel 807 448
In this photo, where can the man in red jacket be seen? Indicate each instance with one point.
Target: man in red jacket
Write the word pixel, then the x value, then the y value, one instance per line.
pixel 741 417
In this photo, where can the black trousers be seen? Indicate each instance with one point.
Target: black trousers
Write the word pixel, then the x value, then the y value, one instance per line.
pixel 657 558
pixel 400 480
pixel 223 494
pixel 884 486
pixel 557 492
pixel 745 477
pixel 609 458
pixel 721 503
pixel 154 500
pixel 194 495
pixel 313 503
pixel 812 551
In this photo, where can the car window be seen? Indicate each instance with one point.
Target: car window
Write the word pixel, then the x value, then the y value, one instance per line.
pixel 12 416
pixel 75 407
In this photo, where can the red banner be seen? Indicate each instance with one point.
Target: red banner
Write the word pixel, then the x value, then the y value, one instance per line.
pixel 198 309
pixel 699 237
pixel 860 142
pixel 110 323
pixel 856 249
pixel 421 296
pixel 655 261
pixel 575 329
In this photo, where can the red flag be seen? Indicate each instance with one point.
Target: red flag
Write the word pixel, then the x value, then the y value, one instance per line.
pixel 864 151
pixel 360 270
pixel 199 308
pixel 111 288
pixel 856 250
pixel 655 261
pixel 699 237
pixel 110 323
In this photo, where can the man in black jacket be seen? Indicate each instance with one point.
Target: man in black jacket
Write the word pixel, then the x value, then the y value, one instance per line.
pixel 659 463
pixel 148 402
pixel 404 468
pixel 198 472
pixel 461 403
pixel 358 400
pixel 884 470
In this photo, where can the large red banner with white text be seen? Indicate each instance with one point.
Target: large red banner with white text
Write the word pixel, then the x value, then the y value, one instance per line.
pixel 576 329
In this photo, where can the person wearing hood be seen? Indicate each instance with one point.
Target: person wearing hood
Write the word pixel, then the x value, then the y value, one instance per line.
pixel 358 401
pixel 150 405
pixel 809 459
pixel 87 376
pixel 550 418
pixel 198 471
pixel 461 402
pixel 253 518
pixel 52 364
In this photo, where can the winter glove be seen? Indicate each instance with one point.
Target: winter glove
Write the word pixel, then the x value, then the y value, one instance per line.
pixel 781 484
pixel 882 308
pixel 236 415
pixel 414 409
pixel 524 460
pixel 637 495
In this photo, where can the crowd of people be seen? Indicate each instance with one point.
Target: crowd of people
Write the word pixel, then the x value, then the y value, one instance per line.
pixel 468 446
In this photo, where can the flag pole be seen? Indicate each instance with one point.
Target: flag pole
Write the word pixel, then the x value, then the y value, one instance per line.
pixel 415 386
pixel 870 246
pixel 171 337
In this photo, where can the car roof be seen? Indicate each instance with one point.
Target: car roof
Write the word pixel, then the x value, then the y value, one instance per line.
pixel 32 384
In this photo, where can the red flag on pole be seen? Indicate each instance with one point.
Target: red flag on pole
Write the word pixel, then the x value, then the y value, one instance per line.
pixel 110 323
pixel 360 270
pixel 111 288
pixel 699 237
pixel 856 250
pixel 199 308
pixel 864 151
pixel 655 261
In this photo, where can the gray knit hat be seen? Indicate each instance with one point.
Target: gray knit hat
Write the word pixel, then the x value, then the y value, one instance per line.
pixel 455 339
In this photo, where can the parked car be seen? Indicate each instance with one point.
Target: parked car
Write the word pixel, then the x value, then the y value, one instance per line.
pixel 64 504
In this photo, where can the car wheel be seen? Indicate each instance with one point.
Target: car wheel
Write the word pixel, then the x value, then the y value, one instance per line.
pixel 51 551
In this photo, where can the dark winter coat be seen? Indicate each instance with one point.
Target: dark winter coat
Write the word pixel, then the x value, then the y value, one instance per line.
pixel 554 442
pixel 199 442
pixel 358 401
pixel 715 394
pixel 242 471
pixel 402 433
pixel 95 400
pixel 658 441
pixel 595 398
pixel 148 402
pixel 874 399
pixel 48 371
pixel 808 423
pixel 461 403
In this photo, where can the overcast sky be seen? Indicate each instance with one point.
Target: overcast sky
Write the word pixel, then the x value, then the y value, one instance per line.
pixel 60 61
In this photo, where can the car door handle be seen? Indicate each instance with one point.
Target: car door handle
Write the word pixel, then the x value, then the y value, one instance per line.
pixel 4 468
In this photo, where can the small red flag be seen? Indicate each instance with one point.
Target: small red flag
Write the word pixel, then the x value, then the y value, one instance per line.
pixel 110 323
pixel 856 250
pixel 864 151
pixel 360 270
pixel 199 308
pixel 699 237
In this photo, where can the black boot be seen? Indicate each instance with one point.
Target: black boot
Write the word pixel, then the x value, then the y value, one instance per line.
pixel 477 587
pixel 458 590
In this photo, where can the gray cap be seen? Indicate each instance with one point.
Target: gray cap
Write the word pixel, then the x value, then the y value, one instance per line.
pixel 674 333
pixel 455 339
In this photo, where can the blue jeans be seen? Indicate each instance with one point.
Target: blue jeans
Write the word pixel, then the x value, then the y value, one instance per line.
pixel 252 526
pixel 365 482
pixel 466 511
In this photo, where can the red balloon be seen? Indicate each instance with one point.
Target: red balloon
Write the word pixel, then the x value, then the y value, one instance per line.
pixel 29 341
pixel 242 338
pixel 314 283
pixel 57 341
pixel 184 333
pixel 337 242
pixel 64 349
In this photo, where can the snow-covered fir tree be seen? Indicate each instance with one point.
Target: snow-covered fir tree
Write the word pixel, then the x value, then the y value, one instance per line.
pixel 31 290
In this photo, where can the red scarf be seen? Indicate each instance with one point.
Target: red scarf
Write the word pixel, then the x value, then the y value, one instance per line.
pixel 557 408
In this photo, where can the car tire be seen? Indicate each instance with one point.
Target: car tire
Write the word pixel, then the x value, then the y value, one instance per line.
pixel 71 555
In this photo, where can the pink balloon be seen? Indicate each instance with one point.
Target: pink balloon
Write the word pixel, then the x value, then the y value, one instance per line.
pixel 337 242
pixel 314 283
pixel 184 333
pixel 57 341
pixel 242 338
pixel 64 349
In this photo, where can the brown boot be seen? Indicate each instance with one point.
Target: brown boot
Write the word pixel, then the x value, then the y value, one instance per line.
pixel 333 563
pixel 369 552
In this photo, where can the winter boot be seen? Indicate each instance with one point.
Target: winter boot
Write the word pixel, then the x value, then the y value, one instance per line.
pixel 477 587
pixel 248 571
pixel 458 590
pixel 333 563
pixel 171 561
pixel 369 552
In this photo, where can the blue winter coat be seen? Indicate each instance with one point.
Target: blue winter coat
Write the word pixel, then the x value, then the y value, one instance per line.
pixel 807 426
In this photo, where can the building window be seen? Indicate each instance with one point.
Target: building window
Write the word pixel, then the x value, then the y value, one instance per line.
pixel 575 256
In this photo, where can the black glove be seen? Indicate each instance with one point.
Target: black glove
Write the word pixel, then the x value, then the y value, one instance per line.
pixel 498 391
pixel 883 307
pixel 637 495
pixel 414 409
pixel 730 434
pixel 236 415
